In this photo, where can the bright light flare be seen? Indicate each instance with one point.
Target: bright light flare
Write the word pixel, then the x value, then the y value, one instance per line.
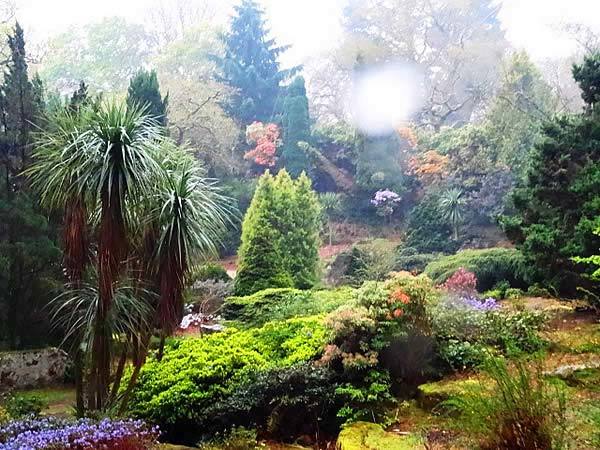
pixel 383 97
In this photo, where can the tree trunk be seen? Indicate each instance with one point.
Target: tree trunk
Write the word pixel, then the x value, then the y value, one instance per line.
pixel 79 368
pixel 118 376
pixel 111 252
pixel 143 352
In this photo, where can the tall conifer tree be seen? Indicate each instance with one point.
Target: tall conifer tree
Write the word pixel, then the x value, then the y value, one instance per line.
pixel 28 250
pixel 250 65
pixel 296 128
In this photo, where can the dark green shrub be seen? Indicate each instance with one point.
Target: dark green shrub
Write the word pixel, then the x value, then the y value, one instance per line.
pixel 280 304
pixel 523 411
pixel 210 271
pixel 285 402
pixel 429 231
pixel 179 393
pixel 536 290
pixel 367 398
pixel 489 265
pixel 19 406
pixel 408 259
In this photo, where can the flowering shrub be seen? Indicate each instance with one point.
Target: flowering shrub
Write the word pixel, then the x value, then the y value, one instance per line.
pixel 380 313
pixel 84 434
pixel 266 139
pixel 385 201
pixel 462 282
pixel 467 329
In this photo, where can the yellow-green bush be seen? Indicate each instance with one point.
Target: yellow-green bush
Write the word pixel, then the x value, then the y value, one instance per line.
pixel 280 304
pixel 182 392
pixel 4 416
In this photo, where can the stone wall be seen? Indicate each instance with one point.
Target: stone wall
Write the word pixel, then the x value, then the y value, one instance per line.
pixel 32 368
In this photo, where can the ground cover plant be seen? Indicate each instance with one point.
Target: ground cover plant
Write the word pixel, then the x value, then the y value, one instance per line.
pixel 84 434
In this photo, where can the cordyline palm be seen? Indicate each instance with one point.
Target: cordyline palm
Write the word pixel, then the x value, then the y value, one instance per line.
pixel 116 163
pixel 188 217
pixel 56 181
pixel 451 204
pixel 193 216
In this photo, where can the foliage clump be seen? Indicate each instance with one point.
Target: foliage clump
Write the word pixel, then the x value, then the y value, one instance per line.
pixel 557 208
pixel 280 304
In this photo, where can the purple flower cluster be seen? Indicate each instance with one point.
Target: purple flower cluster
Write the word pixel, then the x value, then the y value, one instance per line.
pixel 489 304
pixel 385 197
pixel 84 434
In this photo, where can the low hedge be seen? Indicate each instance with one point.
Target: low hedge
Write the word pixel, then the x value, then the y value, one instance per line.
pixel 280 304
pixel 491 266
pixel 182 392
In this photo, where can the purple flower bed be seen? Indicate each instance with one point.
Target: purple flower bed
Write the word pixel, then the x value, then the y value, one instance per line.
pixel 84 434
pixel 489 304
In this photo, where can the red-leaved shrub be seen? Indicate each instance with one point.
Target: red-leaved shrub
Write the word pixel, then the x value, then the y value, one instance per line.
pixel 462 282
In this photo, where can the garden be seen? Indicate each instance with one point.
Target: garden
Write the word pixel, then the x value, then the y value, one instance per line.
pixel 220 261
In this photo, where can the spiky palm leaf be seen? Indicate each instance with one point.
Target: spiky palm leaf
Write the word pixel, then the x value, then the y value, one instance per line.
pixel 115 161
pixel 75 312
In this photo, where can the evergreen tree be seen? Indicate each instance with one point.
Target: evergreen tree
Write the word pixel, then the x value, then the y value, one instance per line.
pixel 19 105
pixel 28 252
pixel 280 236
pixel 260 262
pixel 303 243
pixel 145 90
pixel 296 128
pixel 250 66
pixel 558 207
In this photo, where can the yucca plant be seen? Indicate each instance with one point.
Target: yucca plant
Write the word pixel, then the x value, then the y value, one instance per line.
pixel 113 171
pixel 76 311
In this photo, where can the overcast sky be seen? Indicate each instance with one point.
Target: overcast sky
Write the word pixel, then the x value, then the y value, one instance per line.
pixel 530 24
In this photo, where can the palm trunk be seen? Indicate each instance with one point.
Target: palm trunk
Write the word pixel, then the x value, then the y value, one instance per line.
pixel 79 396
pixel 161 346
pixel 138 363
pixel 111 251
pixel 118 376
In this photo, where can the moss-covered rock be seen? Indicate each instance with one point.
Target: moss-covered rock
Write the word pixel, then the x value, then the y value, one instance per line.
pixel 370 436
pixel 431 395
